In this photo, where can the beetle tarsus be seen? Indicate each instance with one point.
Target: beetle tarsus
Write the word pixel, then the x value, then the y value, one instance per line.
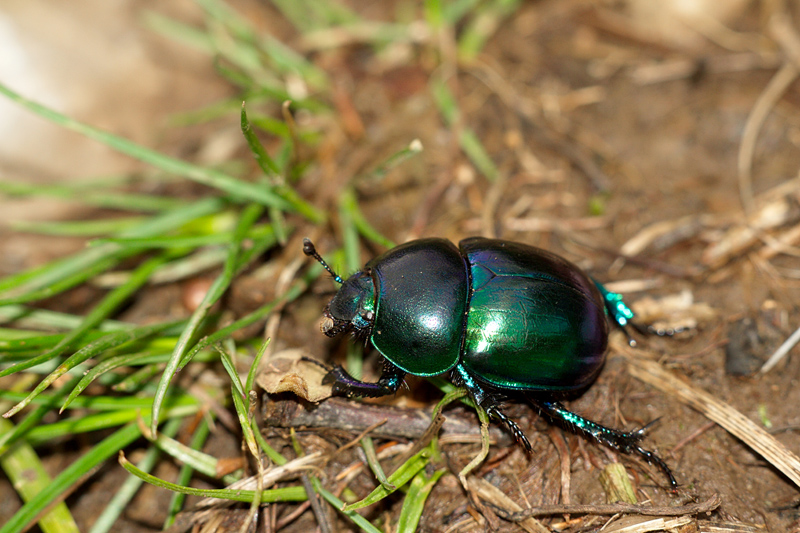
pixel 315 362
pixel 654 459
pixel 659 332
pixel 512 426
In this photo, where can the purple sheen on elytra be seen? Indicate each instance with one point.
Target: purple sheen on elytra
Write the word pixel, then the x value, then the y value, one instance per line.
pixel 535 322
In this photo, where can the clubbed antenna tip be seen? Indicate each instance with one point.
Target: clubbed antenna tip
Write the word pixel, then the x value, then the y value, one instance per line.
pixel 311 251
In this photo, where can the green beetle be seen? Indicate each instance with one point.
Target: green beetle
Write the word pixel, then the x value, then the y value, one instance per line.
pixel 501 317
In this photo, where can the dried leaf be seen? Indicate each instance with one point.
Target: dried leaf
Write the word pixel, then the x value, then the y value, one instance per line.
pixel 286 371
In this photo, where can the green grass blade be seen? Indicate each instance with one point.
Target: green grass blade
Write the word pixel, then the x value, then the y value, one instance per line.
pixel 453 12
pixel 108 342
pixel 86 263
pixel 32 419
pixel 70 476
pixel 352 251
pixel 178 31
pixel 230 368
pixel 103 367
pixel 99 403
pixel 100 421
pixel 195 459
pixel 108 305
pixel 434 13
pixel 288 494
pixel 357 519
pixel 180 241
pixel 296 290
pixel 286 60
pixel 27 474
pixel 238 189
pixel 239 396
pixel 400 477
pixel 218 287
pixel 26 317
pixel 249 385
pixel 224 14
pixel 64 275
pixel 263 159
pixel 374 463
pixel 414 502
pixel 191 265
pixel 307 15
pixel 175 219
pixel 268 167
pixel 475 151
pixel 349 204
pixel 486 19
pixel 268 450
pixel 14 340
pixel 378 173
pixel 87 193
pixel 77 228
pixel 116 507
pixel 469 142
pixel 186 473
pixel 140 378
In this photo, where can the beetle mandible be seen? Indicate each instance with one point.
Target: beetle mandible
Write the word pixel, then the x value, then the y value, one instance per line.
pixel 501 317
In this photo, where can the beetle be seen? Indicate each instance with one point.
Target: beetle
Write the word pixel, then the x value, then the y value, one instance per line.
pixel 502 317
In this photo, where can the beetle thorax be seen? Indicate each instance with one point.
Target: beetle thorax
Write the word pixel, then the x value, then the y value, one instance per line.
pixel 353 307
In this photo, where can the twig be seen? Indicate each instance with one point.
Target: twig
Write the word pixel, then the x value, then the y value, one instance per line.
pixel 503 505
pixel 766 101
pixel 357 416
pixel 316 505
pixel 682 68
pixel 557 438
pixel 783 32
pixel 615 508
pixel 781 352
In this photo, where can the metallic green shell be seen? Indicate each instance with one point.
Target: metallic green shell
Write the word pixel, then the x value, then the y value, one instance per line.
pixel 535 321
pixel 420 309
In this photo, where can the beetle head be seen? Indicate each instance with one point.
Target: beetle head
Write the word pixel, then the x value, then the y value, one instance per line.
pixel 353 307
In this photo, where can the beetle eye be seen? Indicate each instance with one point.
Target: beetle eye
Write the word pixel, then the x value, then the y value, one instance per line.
pixel 326 324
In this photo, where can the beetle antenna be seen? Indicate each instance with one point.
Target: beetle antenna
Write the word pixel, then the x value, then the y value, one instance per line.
pixel 310 250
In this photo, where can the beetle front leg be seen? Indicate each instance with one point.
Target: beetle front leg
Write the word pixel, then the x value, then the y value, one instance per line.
pixel 346 385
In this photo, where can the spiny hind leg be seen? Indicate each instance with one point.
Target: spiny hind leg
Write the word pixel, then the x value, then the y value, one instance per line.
pixel 625 442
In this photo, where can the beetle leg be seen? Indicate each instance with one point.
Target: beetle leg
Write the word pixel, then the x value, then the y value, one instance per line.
pixel 490 404
pixel 623 316
pixel 495 412
pixel 346 385
pixel 626 442
pixel 615 306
